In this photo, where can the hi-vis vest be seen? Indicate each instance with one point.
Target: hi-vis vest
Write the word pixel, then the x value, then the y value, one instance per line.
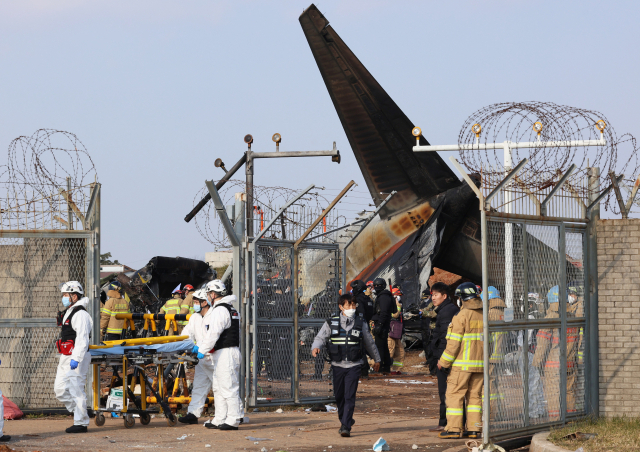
pixel 343 345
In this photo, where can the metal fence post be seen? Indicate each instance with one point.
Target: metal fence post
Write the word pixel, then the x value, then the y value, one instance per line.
pixel 593 359
pixel 485 329
pixel 562 294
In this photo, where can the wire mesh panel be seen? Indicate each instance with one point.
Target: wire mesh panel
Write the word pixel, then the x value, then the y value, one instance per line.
pixel 275 363
pixel 31 269
pixel 537 348
pixel 318 282
pixel 274 292
pixel 315 373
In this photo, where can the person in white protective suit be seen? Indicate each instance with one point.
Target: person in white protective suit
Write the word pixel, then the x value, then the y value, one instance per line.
pixel 223 341
pixel 198 327
pixel 3 438
pixel 73 347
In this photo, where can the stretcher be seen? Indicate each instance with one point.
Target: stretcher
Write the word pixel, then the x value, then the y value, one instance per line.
pixel 144 355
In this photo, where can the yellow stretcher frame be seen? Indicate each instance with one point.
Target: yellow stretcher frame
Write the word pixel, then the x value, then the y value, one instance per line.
pixel 145 418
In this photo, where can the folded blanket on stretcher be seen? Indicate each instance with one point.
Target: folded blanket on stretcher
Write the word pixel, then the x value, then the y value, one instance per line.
pixel 170 347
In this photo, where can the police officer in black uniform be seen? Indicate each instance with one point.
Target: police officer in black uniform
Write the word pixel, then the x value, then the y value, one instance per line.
pixel 346 336
pixel 384 307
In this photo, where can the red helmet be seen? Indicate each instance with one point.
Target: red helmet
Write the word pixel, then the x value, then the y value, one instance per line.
pixel 396 291
pixel 187 288
pixel 369 283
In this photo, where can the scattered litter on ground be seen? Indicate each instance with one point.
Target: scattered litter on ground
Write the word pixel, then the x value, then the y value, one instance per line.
pixel 279 410
pixel 251 438
pixel 414 447
pixel 418 365
pixel 182 437
pixel 331 409
pixel 264 449
pixel 410 382
pixel 380 445
pixel 580 436
pixel 207 445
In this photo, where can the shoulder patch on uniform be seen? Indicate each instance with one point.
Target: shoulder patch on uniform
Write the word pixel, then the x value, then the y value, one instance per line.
pixel 355 332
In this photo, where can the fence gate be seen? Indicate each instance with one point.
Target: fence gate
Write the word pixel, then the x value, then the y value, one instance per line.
pixel 33 262
pixel 537 323
pixel 282 324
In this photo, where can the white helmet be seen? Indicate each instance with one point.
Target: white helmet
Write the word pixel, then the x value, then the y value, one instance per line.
pixel 71 287
pixel 200 294
pixel 216 286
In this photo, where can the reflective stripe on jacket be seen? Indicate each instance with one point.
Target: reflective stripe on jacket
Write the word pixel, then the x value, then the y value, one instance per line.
pixel 114 305
pixel 186 307
pixel 172 306
pixel 464 339
pixel 548 340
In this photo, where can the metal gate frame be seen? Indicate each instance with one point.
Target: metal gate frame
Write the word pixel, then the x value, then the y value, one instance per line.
pixel 525 324
pixel 255 322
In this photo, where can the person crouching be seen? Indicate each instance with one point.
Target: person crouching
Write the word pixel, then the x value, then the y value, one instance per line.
pixel 346 336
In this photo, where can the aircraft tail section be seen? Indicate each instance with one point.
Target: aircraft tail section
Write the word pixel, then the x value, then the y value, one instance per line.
pixel 378 131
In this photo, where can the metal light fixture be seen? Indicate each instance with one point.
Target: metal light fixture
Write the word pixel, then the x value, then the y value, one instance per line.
pixel 417 132
pixel 220 164
pixel 248 139
pixel 601 125
pixel 336 158
pixel 277 138
pixel 476 128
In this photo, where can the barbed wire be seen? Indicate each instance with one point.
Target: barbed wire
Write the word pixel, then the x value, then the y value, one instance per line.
pixel 38 167
pixel 514 121
pixel 269 200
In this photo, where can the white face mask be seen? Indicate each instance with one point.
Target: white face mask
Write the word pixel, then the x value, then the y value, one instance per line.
pixel 571 299
pixel 349 312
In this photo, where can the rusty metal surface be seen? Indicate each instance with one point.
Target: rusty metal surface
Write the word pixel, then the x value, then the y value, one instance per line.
pixel 378 131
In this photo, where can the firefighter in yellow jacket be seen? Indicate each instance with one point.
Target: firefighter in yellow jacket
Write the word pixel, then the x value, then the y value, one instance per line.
pixel 110 327
pixel 187 305
pixel 547 356
pixel 496 350
pixel 173 306
pixel 464 355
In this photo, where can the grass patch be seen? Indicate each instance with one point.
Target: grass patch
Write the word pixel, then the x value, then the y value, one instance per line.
pixel 615 434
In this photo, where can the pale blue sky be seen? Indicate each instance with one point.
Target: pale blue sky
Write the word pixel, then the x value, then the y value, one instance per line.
pixel 156 90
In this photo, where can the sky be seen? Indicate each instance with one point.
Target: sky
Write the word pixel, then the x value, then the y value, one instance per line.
pixel 157 90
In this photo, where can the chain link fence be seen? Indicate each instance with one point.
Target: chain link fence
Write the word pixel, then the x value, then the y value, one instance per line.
pixel 285 323
pixel 32 265
pixel 536 324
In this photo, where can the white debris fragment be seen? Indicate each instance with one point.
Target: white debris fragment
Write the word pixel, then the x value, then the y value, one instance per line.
pixel 207 445
pixel 414 447
pixel 380 445
pixel 411 382
pixel 279 410
pixel 264 449
pixel 183 437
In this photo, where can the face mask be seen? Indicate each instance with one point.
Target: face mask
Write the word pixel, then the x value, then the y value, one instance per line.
pixel 196 307
pixel 349 312
pixel 572 300
pixel 66 302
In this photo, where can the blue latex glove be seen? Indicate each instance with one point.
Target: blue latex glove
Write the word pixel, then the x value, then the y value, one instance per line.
pixel 73 364
pixel 195 349
pixel 200 355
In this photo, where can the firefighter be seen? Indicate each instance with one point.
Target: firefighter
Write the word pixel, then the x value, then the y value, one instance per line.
pixel 346 336
pixel 73 346
pixel 110 327
pixel 187 305
pixel 172 306
pixel 384 307
pixel 547 355
pixel 464 355
pixel 496 350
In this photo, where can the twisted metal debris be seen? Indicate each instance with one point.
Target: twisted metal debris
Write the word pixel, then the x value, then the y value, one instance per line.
pixel 513 121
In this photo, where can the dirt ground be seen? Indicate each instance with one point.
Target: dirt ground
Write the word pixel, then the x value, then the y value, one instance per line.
pixel 393 407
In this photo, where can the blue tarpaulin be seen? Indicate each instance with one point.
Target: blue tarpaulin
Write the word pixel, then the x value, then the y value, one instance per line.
pixel 171 347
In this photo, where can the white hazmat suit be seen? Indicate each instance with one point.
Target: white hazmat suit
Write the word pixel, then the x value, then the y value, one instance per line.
pixel 69 384
pixel 198 329
pixel 222 366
